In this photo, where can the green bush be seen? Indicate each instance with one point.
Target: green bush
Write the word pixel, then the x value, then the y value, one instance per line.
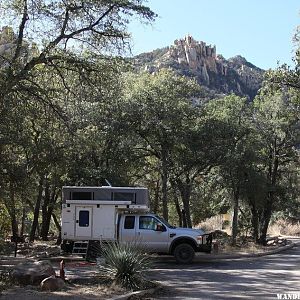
pixel 6 247
pixel 6 280
pixel 124 263
pixel 5 226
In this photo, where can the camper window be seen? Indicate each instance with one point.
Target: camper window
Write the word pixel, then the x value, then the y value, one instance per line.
pixel 129 222
pixel 121 196
pixel 84 218
pixel 82 196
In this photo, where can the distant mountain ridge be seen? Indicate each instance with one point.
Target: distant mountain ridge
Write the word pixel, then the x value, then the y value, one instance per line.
pixel 196 59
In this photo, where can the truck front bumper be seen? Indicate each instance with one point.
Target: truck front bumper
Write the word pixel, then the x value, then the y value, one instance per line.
pixel 206 244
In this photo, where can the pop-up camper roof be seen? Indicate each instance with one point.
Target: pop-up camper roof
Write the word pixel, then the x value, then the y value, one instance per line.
pixel 135 195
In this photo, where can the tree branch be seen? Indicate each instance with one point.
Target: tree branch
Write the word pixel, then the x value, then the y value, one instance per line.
pixel 25 18
pixel 54 43
pixel 42 58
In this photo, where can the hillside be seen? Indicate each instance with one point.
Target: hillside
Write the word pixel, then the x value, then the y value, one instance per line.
pixel 196 59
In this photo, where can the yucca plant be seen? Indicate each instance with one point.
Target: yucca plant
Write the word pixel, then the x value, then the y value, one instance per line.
pixel 125 263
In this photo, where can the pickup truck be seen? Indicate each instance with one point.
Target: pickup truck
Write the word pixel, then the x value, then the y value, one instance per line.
pixel 94 215
pixel 157 235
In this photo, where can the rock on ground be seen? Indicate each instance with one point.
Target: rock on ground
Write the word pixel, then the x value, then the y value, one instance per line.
pixel 32 272
pixel 52 283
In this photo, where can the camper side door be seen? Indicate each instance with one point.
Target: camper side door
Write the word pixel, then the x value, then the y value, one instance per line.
pixel 83 225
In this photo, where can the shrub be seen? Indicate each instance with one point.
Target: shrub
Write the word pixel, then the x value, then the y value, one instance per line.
pixel 284 227
pixel 211 224
pixel 124 263
pixel 6 280
pixel 6 248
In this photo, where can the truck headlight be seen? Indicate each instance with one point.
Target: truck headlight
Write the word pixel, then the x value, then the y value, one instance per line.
pixel 199 239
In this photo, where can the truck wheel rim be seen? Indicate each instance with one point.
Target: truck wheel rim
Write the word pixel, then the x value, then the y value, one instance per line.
pixel 184 254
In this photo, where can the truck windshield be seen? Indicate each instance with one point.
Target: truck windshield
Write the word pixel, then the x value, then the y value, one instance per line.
pixel 164 222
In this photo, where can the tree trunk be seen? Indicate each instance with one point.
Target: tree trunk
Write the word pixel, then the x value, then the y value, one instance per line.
pixel 178 209
pixel 186 205
pixel 36 210
pixel 254 221
pixel 50 201
pixel 58 242
pixel 47 209
pixel 267 213
pixel 11 207
pixel 184 223
pixel 23 221
pixel 235 217
pixel 164 178
pixel 185 192
pixel 44 230
pixel 156 198
pixel 268 209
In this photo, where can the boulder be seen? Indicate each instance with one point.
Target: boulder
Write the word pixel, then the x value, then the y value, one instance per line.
pixel 52 283
pixel 32 272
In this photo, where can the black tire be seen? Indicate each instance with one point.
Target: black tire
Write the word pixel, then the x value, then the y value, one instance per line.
pixel 184 253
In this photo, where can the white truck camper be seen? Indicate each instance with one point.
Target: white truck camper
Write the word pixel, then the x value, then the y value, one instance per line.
pixel 93 215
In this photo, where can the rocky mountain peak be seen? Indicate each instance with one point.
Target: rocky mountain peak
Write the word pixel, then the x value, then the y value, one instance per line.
pixel 194 54
pixel 8 44
pixel 197 59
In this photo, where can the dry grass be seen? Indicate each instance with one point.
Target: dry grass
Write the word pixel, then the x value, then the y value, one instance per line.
pixel 211 224
pixel 245 244
pixel 283 227
pixel 245 247
pixel 280 227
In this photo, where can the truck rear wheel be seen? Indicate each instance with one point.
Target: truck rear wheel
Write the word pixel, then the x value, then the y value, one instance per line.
pixel 184 253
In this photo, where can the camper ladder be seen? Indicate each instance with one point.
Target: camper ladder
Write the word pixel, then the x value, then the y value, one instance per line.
pixel 81 247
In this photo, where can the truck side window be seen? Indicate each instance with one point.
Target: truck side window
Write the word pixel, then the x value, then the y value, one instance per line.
pixel 129 222
pixel 147 222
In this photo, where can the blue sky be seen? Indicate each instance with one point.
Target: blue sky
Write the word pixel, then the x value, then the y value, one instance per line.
pixel 260 30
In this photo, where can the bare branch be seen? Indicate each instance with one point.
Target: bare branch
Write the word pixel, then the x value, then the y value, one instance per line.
pixel 54 43
pixel 42 58
pixel 25 18
pixel 65 22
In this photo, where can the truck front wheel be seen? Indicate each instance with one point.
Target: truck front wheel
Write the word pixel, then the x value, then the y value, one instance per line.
pixel 184 253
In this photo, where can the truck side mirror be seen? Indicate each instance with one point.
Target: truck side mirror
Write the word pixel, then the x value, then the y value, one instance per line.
pixel 160 227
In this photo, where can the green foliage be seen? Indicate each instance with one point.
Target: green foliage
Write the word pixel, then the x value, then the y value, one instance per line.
pixel 125 264
pixel 210 197
pixel 6 281
pixel 157 111
pixel 4 222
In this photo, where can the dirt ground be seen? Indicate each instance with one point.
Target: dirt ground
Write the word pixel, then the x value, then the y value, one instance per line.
pixel 82 280
pixel 71 291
